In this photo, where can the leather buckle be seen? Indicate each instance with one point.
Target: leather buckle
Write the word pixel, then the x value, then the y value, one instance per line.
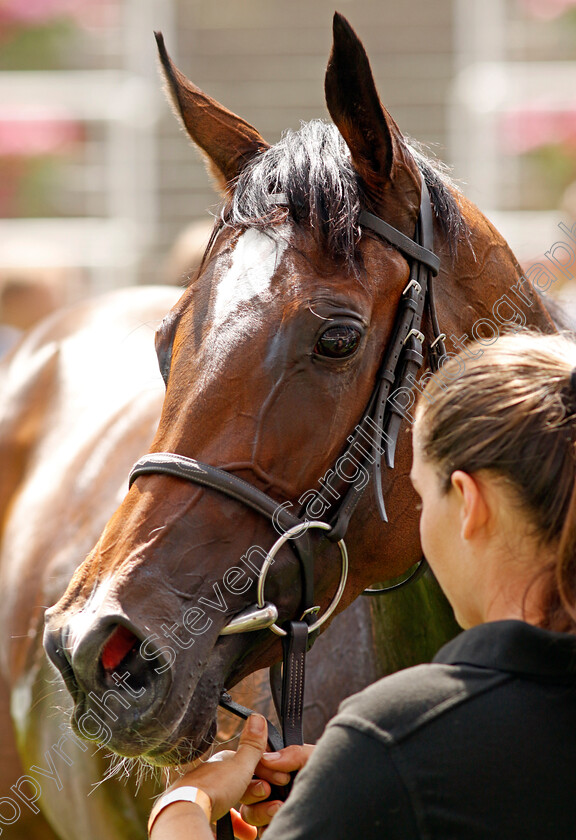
pixel 309 613
pixel 415 284
pixel 441 337
pixel 415 334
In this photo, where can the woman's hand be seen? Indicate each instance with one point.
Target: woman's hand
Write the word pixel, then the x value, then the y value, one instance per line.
pixel 226 776
pixel 273 768
pixel 227 779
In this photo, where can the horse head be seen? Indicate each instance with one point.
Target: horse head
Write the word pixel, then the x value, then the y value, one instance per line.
pixel 270 360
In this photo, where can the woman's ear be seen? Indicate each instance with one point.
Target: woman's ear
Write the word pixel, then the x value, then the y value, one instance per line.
pixel 473 505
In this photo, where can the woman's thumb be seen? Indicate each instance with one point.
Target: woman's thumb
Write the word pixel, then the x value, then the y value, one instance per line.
pixel 254 738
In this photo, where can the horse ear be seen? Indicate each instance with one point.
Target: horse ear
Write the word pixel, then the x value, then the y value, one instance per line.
pixel 228 141
pixel 389 176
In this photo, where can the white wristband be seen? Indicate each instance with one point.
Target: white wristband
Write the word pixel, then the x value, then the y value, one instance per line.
pixel 181 794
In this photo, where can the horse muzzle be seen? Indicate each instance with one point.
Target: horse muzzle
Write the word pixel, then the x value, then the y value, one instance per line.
pixel 117 679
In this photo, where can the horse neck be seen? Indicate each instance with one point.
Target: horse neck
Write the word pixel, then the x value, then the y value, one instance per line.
pixel 482 291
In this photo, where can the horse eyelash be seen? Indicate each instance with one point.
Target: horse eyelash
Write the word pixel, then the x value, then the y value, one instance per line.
pixel 322 317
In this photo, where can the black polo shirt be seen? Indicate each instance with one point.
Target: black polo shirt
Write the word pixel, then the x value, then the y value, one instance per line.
pixel 479 744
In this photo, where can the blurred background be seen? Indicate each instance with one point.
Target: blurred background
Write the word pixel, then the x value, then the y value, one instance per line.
pixel 99 187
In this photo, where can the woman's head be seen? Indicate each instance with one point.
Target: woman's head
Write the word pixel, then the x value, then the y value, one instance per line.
pixel 510 413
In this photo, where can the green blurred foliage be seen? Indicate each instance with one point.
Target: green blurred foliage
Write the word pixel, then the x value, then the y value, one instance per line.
pixel 36 47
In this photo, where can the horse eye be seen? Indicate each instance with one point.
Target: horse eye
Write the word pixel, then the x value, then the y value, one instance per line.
pixel 338 342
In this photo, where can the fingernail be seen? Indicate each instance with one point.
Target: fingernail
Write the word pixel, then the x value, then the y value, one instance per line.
pixel 256 724
pixel 272 809
pixel 258 788
pixel 271 756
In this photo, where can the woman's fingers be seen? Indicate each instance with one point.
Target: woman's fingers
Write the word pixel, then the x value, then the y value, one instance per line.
pixel 256 791
pixel 261 813
pixel 226 776
pixel 253 740
pixel 289 760
pixel 273 777
pixel 273 768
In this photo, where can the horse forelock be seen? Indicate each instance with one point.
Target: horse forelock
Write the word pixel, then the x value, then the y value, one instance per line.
pixel 313 170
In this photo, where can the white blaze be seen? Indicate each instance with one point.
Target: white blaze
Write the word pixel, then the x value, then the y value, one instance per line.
pixel 254 262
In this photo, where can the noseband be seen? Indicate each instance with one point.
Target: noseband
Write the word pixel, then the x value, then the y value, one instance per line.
pixel 375 436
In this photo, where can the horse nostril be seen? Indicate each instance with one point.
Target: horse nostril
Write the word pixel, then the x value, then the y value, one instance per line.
pixel 113 670
pixel 121 649
pixel 120 643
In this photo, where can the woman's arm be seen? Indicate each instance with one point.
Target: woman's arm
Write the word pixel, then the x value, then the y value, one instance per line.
pixel 182 821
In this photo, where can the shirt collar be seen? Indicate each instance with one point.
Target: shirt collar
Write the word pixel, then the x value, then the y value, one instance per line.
pixel 513 646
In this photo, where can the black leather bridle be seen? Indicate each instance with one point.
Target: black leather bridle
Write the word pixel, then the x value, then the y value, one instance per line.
pixel 380 426
pixel 377 433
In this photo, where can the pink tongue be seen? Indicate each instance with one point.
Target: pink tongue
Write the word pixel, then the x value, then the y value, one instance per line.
pixel 118 645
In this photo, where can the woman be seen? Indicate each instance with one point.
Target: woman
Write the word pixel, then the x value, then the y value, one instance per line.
pixel 482 742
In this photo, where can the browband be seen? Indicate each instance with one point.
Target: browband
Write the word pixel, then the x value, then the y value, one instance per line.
pixel 403 243
pixel 400 241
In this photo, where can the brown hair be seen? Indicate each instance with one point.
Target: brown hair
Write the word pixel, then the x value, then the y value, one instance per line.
pixel 512 410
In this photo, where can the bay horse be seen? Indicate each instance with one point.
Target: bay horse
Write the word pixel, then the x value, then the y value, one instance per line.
pixel 81 398
pixel 269 359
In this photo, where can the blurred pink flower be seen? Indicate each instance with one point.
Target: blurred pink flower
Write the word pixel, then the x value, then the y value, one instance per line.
pixel 35 137
pixel 547 9
pixel 38 12
pixel 528 128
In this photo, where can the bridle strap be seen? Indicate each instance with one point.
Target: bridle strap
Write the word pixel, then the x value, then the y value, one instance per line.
pixel 416 251
pixel 205 475
pixel 403 243
pixel 274 737
pixel 179 466
pixel 413 575
pixel 290 709
pixel 295 645
pixel 377 433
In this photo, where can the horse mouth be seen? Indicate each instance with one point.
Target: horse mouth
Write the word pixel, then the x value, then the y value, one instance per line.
pixel 170 754
pixel 132 700
pixel 131 735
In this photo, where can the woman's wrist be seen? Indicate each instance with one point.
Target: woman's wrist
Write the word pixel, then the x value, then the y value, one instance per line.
pixel 184 821
pixel 191 796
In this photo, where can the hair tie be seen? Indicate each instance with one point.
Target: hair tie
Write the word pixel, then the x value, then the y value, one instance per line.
pixel 573 379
